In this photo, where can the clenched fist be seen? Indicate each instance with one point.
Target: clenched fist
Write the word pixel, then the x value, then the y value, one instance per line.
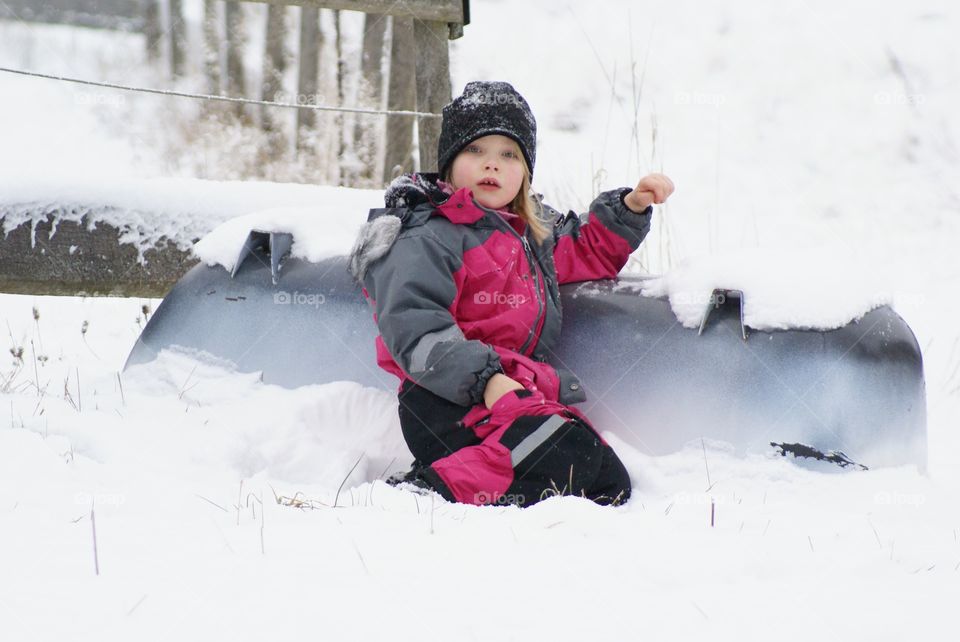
pixel 654 188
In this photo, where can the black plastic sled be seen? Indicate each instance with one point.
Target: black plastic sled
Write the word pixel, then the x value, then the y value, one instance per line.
pixel 857 390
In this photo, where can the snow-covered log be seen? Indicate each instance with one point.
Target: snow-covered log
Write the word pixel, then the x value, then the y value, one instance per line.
pixel 71 249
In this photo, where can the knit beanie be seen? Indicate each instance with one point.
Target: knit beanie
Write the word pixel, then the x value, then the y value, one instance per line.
pixel 486 108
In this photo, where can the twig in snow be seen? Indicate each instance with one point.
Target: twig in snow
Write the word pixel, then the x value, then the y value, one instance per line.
pixel 767 526
pixel 359 555
pixel 96 557
pixel 83 335
pixel 875 533
pixel 239 497
pixel 212 502
pixel 712 512
pixel 706 465
pixel 122 398
pixel 262 517
pixel 184 389
pixel 134 607
pixel 66 392
pixel 36 321
pixel 705 616
pixel 79 401
pixel 380 476
pixel 354 467
pixel 36 374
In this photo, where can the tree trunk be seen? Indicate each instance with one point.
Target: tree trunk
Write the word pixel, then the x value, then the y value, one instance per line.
pixel 274 64
pixel 370 95
pixel 178 38
pixel 307 81
pixel 211 47
pixel 236 84
pixel 340 118
pixel 152 29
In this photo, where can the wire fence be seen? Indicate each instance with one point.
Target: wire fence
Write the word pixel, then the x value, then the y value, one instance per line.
pixel 216 97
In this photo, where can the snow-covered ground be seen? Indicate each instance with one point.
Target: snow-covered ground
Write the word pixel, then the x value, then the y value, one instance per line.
pixel 810 129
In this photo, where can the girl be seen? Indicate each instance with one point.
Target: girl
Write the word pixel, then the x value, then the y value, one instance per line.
pixel 462 270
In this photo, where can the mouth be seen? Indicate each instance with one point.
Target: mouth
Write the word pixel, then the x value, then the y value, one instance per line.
pixel 489 183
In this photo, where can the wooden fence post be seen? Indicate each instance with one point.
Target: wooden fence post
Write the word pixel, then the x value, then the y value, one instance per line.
pixel 401 95
pixel 309 64
pixel 433 85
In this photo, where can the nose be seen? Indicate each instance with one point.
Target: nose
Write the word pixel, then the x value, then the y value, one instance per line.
pixel 491 163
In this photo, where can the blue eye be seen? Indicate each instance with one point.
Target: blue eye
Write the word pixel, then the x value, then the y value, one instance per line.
pixel 510 154
pixel 473 149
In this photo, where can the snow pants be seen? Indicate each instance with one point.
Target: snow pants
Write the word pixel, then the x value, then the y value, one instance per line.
pixel 521 451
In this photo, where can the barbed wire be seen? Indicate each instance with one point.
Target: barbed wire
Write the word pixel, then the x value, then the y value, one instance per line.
pixel 216 97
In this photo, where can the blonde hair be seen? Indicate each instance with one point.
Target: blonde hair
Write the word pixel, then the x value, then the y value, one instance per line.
pixel 523 204
pixel 528 208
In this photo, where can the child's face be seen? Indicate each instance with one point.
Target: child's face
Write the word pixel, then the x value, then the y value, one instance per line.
pixel 492 167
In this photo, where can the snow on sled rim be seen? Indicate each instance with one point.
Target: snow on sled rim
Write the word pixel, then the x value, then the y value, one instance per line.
pixel 809 289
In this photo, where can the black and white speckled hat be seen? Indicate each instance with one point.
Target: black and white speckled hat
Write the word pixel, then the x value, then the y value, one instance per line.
pixel 486 108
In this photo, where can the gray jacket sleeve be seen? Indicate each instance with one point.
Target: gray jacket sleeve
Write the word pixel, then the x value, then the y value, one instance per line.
pixel 610 209
pixel 412 288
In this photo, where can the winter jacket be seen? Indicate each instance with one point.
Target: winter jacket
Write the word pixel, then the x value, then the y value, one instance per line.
pixel 461 292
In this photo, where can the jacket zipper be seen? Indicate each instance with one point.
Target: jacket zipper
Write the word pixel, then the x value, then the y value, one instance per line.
pixel 541 294
pixel 532 262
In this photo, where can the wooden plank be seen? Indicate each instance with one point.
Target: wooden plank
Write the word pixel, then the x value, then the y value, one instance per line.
pixel 71 259
pixel 435 10
pixel 121 15
pixel 433 85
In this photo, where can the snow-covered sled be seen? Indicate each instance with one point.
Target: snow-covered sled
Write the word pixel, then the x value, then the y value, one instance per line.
pixel 858 389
